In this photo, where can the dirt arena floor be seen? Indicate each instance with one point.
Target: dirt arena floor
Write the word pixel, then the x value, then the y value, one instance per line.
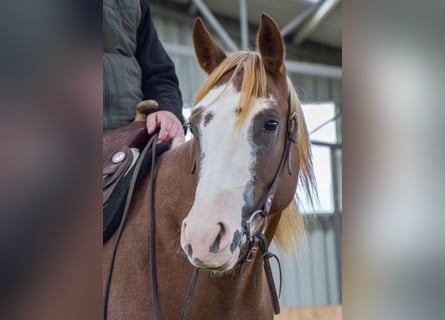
pixel 310 313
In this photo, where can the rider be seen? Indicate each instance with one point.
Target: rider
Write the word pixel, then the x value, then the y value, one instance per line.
pixel 135 68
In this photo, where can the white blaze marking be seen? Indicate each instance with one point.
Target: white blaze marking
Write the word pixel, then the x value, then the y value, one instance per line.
pixel 228 159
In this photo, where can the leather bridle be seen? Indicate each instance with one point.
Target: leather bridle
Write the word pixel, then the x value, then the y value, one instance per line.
pixel 285 159
pixel 256 234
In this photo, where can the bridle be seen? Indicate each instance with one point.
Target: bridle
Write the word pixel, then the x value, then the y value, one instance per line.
pixel 254 238
pixel 255 234
pixel 291 136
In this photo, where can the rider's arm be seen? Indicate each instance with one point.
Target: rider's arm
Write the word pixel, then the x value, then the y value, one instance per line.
pixel 159 80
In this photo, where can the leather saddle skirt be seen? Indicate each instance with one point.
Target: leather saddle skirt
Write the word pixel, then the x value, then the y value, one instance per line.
pixel 121 149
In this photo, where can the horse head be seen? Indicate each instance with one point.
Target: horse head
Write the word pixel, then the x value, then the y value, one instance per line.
pixel 242 118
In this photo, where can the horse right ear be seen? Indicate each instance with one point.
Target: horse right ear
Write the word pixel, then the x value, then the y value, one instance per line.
pixel 270 45
pixel 208 52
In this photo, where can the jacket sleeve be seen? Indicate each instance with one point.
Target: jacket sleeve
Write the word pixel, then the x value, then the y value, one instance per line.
pixel 159 80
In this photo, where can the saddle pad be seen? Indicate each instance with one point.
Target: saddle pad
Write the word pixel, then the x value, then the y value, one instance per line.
pixel 113 210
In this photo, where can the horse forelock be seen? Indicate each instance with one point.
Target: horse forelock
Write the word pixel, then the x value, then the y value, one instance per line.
pixel 245 71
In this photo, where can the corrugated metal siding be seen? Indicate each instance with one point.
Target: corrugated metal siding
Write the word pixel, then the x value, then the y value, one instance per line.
pixel 317 89
pixel 313 276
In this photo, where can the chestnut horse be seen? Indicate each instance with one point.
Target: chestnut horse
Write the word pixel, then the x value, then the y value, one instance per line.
pixel 208 190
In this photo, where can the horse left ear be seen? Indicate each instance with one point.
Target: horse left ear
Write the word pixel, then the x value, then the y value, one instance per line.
pixel 208 53
pixel 270 44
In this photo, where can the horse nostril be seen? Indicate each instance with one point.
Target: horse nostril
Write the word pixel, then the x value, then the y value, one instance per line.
pixel 223 229
pixel 188 249
pixel 215 245
pixel 214 248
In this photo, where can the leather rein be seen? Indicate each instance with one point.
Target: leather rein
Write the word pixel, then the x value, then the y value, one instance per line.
pixel 255 239
pixel 151 143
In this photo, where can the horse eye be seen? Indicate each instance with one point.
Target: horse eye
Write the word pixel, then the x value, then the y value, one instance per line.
pixel 271 125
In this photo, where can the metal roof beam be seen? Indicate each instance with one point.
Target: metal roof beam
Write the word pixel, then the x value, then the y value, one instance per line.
pixel 216 25
pixel 300 19
pixel 244 25
pixel 314 21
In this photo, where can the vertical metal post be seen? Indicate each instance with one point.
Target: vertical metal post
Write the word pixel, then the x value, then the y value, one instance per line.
pixel 337 216
pixel 244 25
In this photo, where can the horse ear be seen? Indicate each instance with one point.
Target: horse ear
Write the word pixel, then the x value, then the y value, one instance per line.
pixel 208 52
pixel 270 44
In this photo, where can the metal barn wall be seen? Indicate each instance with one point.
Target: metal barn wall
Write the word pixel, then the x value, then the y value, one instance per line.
pixel 317 89
pixel 313 276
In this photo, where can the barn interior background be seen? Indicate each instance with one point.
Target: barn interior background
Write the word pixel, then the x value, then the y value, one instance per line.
pixel 312 30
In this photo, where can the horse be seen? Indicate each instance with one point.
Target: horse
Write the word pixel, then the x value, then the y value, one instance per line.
pixel 211 192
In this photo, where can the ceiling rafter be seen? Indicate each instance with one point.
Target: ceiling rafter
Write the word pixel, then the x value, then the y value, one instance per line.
pixel 314 21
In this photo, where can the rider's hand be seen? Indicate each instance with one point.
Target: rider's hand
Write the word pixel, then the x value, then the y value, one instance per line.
pixel 170 126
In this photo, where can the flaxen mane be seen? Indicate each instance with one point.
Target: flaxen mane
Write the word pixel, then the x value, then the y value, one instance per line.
pixel 253 86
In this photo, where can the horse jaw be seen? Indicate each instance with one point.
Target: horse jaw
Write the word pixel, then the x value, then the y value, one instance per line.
pixel 211 233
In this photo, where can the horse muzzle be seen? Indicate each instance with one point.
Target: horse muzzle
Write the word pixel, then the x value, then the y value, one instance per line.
pixel 215 248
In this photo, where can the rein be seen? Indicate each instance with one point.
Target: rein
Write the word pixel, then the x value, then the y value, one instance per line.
pixel 153 273
pixel 152 258
pixel 151 142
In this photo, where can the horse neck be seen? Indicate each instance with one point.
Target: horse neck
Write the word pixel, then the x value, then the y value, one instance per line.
pixel 233 294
